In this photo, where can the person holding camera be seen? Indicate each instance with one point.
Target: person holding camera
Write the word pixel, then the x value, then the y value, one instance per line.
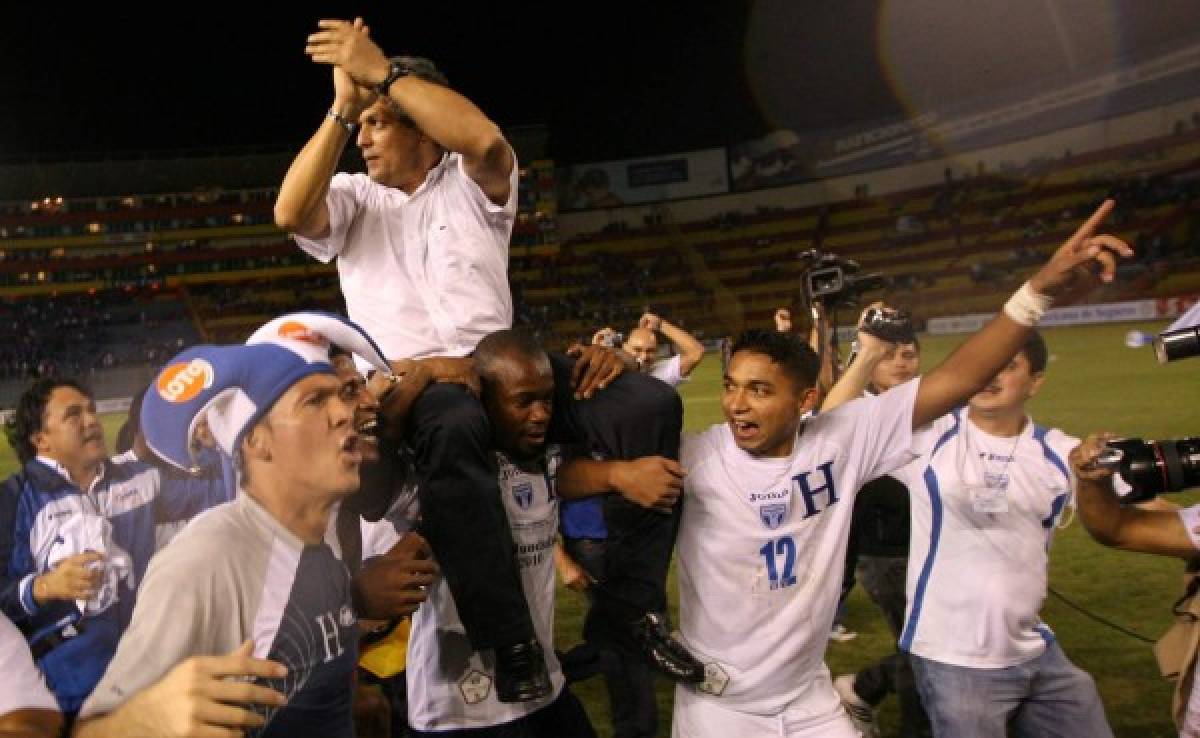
pixel 879 535
pixel 1174 533
pixel 986 499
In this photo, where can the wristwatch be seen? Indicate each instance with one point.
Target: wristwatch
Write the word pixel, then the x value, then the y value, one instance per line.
pixel 395 71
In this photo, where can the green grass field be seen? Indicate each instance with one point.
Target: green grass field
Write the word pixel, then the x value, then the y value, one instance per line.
pixel 1094 382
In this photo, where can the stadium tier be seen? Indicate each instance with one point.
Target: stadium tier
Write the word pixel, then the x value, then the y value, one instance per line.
pixel 211 265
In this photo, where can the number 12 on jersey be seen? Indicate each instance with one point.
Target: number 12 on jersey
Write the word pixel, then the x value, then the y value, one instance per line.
pixel 785 547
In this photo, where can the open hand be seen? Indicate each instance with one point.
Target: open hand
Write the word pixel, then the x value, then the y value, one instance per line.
pixel 395 584
pixel 595 368
pixel 347 45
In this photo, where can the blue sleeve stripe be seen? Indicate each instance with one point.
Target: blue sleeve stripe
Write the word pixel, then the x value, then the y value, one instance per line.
pixel 1056 509
pixel 1039 434
pixel 935 500
pixel 1045 632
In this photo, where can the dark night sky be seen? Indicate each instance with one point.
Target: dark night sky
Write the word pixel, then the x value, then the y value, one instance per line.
pixel 611 80
pixel 644 80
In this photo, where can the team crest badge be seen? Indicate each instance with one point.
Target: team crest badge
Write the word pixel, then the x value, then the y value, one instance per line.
pixel 523 494
pixel 475 687
pixel 773 515
pixel 715 679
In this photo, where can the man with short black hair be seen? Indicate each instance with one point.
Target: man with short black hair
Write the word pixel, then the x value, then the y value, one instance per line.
pixel 451 690
pixel 770 497
pixel 77 531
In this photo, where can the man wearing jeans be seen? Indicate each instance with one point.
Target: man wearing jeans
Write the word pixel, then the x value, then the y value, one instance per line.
pixel 985 502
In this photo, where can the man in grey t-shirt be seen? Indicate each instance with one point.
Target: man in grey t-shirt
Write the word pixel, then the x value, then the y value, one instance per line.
pixel 278 407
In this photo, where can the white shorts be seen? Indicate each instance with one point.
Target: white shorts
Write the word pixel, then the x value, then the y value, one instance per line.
pixel 699 716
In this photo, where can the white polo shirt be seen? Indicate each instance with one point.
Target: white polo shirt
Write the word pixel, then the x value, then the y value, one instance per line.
pixel 22 687
pixel 977 568
pixel 424 274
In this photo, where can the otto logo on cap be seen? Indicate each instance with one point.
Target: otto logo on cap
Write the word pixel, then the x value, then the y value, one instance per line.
pixel 183 381
pixel 300 332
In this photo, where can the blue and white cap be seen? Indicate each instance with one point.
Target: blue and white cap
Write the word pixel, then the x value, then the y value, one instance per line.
pixel 234 386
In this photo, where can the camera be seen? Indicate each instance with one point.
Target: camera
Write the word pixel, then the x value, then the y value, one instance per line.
pixel 836 281
pixel 1178 344
pixel 886 324
pixel 1152 467
pixel 611 339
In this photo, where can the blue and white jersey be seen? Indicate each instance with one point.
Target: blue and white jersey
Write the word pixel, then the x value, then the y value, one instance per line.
pixel 451 686
pixel 984 510
pixel 236 574
pixel 45 518
pixel 761 549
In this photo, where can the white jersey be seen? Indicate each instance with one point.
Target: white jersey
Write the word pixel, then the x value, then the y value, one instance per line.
pixel 22 687
pixel 668 370
pixel 762 546
pixel 450 686
pixel 984 509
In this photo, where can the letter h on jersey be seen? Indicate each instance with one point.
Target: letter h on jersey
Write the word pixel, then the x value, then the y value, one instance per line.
pixel 809 494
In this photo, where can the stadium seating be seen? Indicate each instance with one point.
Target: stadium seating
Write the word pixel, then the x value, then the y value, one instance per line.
pixel 210 266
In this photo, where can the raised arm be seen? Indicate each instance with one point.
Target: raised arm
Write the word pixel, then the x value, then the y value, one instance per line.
pixel 445 116
pixel 1081 263
pixel 1116 525
pixel 300 207
pixel 689 349
pixel 857 376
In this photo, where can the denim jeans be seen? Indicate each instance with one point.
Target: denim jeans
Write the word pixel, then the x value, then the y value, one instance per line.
pixel 1045 697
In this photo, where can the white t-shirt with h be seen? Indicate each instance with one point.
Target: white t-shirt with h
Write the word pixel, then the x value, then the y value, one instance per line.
pixel 452 687
pixel 424 274
pixel 761 550
pixel 984 510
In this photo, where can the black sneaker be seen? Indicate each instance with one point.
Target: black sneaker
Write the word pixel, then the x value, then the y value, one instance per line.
pixel 664 652
pixel 521 673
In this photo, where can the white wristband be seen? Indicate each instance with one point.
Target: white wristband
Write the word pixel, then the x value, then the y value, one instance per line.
pixel 1027 306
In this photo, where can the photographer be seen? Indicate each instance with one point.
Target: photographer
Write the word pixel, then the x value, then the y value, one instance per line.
pixel 1162 532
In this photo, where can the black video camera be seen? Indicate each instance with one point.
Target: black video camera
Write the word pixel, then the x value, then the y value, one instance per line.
pixel 1152 467
pixel 835 281
pixel 886 324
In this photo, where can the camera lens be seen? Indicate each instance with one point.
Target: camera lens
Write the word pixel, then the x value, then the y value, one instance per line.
pixel 1157 467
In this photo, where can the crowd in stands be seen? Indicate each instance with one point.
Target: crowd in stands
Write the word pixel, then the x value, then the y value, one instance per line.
pixel 83 334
